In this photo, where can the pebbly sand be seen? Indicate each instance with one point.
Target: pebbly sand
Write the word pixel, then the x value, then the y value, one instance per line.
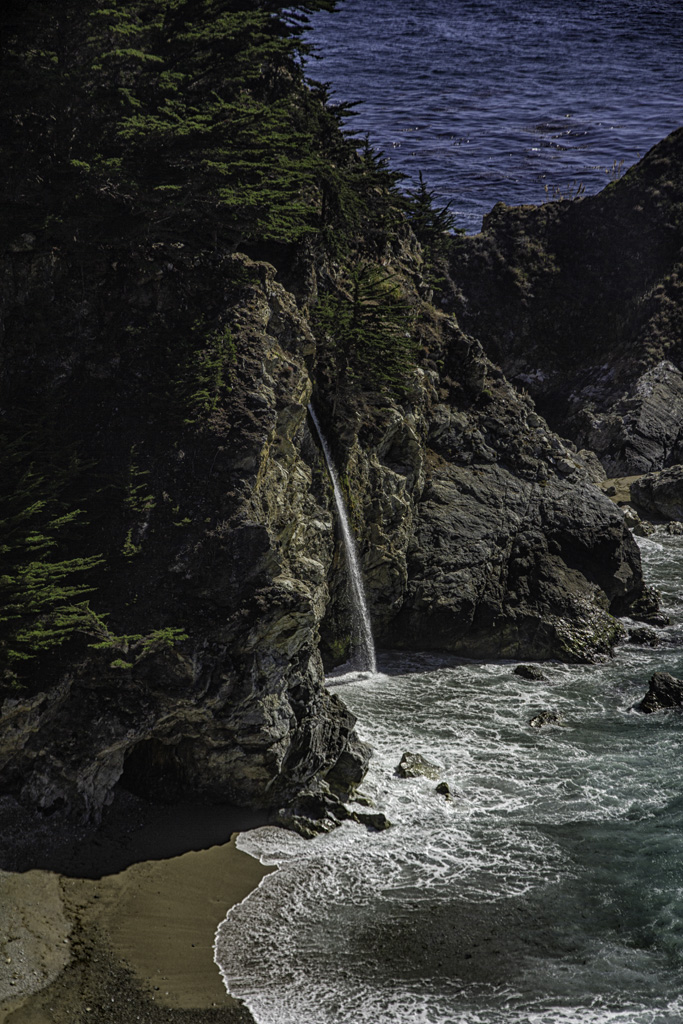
pixel 118 926
pixel 618 488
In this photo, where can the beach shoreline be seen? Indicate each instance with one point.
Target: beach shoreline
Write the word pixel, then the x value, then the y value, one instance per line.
pixel 131 945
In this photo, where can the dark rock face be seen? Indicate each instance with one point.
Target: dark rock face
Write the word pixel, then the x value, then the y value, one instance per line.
pixel 235 548
pixel 660 494
pixel 481 532
pixel 582 304
pixel 665 692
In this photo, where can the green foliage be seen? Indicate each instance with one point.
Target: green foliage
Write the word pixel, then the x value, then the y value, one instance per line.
pixel 40 590
pixel 131 648
pixel 207 372
pixel 189 113
pixel 434 228
pixel 371 329
pixel 137 498
pixel 180 116
pixel 130 548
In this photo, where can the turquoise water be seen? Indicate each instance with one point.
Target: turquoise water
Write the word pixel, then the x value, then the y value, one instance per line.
pixel 510 100
pixel 550 889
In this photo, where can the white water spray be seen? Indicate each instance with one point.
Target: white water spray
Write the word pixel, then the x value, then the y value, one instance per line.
pixel 361 635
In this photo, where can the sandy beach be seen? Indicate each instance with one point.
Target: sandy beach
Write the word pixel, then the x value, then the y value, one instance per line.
pixel 91 943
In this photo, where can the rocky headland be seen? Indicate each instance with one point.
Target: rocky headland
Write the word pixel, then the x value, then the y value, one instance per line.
pixel 580 302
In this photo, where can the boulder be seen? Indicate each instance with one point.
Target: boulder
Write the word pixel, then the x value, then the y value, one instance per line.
pixel 643 635
pixel 660 494
pixel 412 766
pixel 639 527
pixel 665 691
pixel 544 718
pixel 530 672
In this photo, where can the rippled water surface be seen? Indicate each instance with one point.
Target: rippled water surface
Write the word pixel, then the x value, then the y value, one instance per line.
pixel 503 99
pixel 549 890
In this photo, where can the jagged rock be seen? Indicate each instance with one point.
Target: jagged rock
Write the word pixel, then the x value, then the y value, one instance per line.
pixel 443 789
pixel 665 692
pixel 673 529
pixel 475 536
pixel 376 821
pixel 643 635
pixel 581 303
pixel 544 718
pixel 530 672
pixel 411 766
pixel 660 493
pixel 363 800
pixel 480 533
pixel 594 468
pixel 636 524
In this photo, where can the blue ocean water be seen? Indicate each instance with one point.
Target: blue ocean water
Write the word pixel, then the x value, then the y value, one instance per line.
pixel 512 100
pixel 548 891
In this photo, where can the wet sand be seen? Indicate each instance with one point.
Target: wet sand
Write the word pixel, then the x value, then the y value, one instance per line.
pixel 618 488
pixel 131 945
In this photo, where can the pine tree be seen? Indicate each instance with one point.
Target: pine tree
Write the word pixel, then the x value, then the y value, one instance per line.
pixel 371 329
pixel 41 592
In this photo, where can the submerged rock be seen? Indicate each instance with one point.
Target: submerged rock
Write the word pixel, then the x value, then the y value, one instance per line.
pixel 444 790
pixel 412 766
pixel 316 814
pixel 665 692
pixel 530 672
pixel 643 635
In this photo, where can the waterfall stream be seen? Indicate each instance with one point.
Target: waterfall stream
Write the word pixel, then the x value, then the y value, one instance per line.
pixel 362 644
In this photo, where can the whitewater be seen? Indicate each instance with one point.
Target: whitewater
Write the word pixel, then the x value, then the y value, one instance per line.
pixel 548 890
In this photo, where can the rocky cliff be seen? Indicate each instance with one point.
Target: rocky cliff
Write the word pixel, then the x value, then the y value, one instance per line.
pixel 177 284
pixel 581 303
pixel 480 530
pixel 229 538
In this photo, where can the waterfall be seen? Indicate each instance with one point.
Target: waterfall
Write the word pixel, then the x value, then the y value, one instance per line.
pixel 361 628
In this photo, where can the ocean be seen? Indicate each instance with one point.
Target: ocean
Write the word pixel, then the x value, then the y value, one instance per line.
pixel 549 890
pixel 517 101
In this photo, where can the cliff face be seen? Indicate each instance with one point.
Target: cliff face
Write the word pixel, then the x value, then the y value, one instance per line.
pixel 482 532
pixel 171 575
pixel 581 303
pixel 228 535
pixel 223 578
